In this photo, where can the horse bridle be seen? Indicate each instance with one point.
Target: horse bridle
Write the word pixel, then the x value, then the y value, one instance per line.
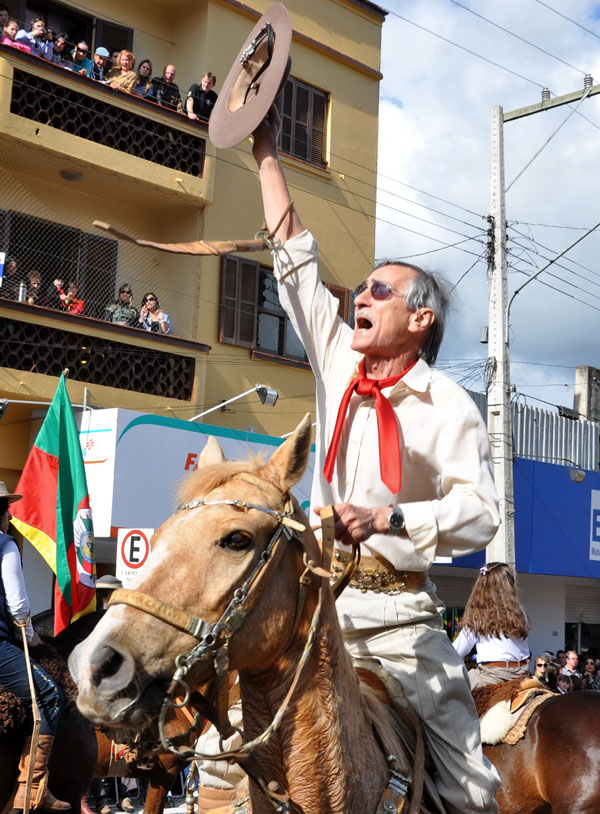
pixel 214 638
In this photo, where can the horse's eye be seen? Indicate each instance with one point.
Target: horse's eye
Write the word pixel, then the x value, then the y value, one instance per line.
pixel 236 541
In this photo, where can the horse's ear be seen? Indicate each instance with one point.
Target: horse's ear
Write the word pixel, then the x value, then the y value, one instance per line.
pixel 212 453
pixel 287 465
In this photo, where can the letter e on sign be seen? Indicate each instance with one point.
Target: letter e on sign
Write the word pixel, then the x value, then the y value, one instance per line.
pixel 133 548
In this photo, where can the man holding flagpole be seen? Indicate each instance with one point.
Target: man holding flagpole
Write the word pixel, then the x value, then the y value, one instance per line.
pixel 403 454
pixel 55 514
pixel 14 609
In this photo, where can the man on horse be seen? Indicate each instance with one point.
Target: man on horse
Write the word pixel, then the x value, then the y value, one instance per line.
pixel 429 492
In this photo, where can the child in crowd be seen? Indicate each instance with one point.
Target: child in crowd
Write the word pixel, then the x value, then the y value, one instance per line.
pixel 496 625
pixel 9 33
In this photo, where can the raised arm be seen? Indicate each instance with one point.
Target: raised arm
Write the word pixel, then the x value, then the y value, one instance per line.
pixel 276 196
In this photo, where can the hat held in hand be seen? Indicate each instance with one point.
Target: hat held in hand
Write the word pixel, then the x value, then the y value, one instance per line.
pixel 258 74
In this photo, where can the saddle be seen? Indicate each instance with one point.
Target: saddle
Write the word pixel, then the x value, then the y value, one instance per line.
pixel 504 709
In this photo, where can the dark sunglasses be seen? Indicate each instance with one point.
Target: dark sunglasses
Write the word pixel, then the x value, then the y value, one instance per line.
pixel 80 50
pixel 541 664
pixel 591 662
pixel 149 299
pixel 377 289
pixel 125 291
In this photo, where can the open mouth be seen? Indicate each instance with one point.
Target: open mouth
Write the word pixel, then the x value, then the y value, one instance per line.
pixel 363 323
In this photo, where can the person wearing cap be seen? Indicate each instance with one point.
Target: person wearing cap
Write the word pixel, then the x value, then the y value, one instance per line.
pixel 403 456
pixel 98 67
pixel 14 608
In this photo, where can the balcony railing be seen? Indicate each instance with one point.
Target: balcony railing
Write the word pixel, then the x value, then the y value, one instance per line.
pixel 70 109
pixel 96 359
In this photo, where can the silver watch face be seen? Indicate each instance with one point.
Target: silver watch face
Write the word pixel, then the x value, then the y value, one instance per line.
pixel 396 520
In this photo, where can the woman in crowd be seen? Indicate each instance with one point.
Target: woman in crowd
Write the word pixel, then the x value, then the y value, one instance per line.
pixel 540 671
pixel 144 79
pixel 122 76
pixel 14 607
pixel 152 318
pixel 34 289
pixel 71 301
pixel 36 39
pixel 9 33
pixel 590 677
pixel 496 625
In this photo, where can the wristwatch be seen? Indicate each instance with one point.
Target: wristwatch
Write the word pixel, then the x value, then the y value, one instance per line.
pixel 396 520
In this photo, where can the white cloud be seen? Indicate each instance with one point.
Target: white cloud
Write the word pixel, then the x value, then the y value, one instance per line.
pixel 435 110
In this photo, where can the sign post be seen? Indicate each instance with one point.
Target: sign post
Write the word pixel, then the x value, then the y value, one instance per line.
pixel 133 548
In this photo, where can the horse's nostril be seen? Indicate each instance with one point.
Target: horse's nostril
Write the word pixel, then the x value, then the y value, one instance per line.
pixel 106 662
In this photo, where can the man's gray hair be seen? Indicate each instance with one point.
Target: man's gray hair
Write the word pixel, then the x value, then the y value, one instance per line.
pixel 428 290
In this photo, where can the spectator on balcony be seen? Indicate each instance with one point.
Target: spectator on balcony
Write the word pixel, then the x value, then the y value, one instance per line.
pixel 144 79
pixel 122 76
pixel 36 38
pixel 60 51
pixel 79 60
pixel 34 289
pixel 54 292
pixel 10 280
pixel 152 318
pixel 201 98
pixel 113 58
pixel 99 71
pixel 4 18
pixel 164 91
pixel 9 32
pixel 122 311
pixel 71 301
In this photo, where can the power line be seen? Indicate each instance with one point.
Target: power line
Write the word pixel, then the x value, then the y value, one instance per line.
pixel 518 37
pixel 549 249
pixel 570 19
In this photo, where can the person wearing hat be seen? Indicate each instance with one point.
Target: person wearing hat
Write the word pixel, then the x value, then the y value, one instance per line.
pixel 403 456
pixel 105 586
pixel 98 67
pixel 14 608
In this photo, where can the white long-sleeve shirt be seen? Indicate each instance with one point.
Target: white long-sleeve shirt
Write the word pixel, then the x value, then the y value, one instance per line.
pixel 491 648
pixel 11 572
pixel 448 495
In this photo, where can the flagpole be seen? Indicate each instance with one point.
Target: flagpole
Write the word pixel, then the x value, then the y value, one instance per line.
pixel 37 718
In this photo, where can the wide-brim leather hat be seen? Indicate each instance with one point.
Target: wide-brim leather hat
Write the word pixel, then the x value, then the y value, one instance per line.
pixel 258 73
pixel 10 496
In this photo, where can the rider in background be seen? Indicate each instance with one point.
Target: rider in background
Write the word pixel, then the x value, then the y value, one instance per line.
pixel 497 626
pixel 14 607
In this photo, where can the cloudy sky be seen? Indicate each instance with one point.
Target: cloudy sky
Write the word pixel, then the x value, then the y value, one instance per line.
pixel 434 183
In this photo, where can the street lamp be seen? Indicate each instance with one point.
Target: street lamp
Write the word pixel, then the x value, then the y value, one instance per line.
pixel 266 394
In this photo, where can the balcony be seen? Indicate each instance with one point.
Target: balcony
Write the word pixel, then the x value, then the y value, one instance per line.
pixel 95 127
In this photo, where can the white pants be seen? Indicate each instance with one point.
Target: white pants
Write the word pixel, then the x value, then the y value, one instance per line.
pixel 420 656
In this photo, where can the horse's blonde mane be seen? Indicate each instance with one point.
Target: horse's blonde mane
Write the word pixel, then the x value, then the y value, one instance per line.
pixel 206 478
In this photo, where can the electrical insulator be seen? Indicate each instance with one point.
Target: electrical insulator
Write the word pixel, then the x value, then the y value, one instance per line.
pixel 588 81
pixel 545 95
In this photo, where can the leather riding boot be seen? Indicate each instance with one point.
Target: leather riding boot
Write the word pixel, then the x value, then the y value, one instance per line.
pixel 85 805
pixel 41 798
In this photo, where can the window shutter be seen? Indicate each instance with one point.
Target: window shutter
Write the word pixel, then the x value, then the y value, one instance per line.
pixel 319 114
pixel 285 103
pixel 237 309
pixel 301 122
pixel 248 292
pixel 227 307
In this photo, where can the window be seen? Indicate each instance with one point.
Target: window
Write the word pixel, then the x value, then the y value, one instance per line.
pixel 58 251
pixel 303 111
pixel 251 315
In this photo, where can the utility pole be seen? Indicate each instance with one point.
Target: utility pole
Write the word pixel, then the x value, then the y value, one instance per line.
pixel 502 547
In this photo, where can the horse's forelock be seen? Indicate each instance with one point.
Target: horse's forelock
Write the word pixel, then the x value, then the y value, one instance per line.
pixel 206 478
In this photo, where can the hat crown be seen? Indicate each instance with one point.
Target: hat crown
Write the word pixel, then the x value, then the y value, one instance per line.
pixel 11 496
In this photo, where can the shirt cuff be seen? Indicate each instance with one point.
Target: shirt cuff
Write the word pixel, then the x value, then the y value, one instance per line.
pixel 294 253
pixel 421 527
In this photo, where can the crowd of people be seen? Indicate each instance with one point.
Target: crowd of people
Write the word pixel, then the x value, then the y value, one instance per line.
pixel 65 297
pixel 566 672
pixel 116 70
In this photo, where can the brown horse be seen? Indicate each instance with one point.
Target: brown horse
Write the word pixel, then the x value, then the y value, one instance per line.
pixel 226 557
pixel 553 769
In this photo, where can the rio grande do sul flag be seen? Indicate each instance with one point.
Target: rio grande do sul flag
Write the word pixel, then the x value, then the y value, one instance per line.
pixel 54 513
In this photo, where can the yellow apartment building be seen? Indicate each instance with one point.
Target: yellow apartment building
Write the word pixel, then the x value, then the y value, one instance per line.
pixel 73 151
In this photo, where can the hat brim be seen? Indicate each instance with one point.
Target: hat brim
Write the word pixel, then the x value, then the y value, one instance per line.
pixel 242 104
pixel 12 498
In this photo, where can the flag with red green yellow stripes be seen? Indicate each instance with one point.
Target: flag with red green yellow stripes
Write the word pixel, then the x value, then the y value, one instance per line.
pixel 54 513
